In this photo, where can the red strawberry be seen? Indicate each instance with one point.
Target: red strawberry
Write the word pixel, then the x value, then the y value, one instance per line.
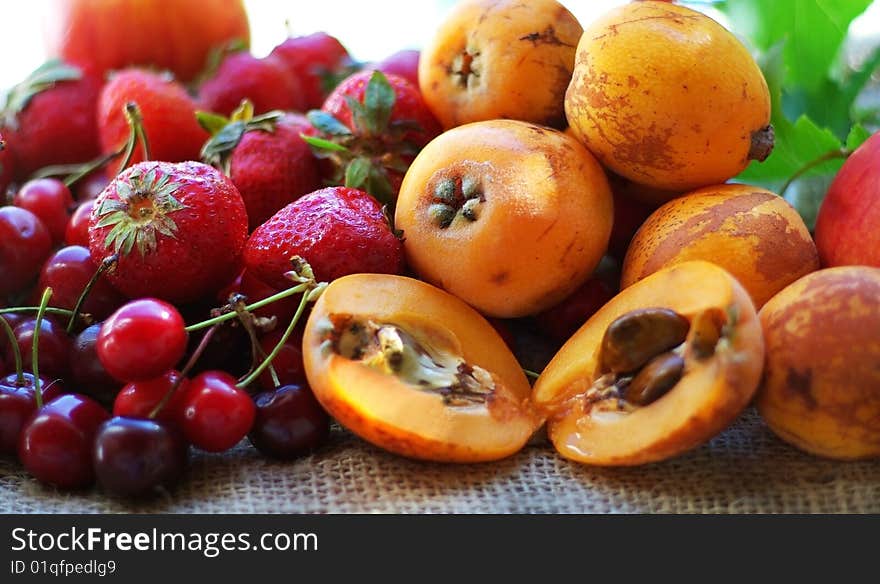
pixel 318 61
pixel 50 117
pixel 265 157
pixel 7 170
pixel 168 113
pixel 179 230
pixel 370 128
pixel 561 321
pixel 266 83
pixel 338 230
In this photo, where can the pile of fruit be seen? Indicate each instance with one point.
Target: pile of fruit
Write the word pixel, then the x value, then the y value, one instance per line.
pixel 201 245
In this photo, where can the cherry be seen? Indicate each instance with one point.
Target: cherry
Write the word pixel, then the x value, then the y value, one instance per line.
pixel 228 348
pixel 50 200
pixel 288 363
pixel 91 186
pixel 54 347
pixel 142 340
pixel 14 319
pixel 77 231
pixel 67 272
pixel 17 404
pixel 139 398
pixel 25 244
pixel 289 422
pixel 56 443
pixel 136 458
pixel 216 414
pixel 404 63
pixel 86 371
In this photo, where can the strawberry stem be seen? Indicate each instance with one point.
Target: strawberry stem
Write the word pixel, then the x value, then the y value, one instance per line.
pixel 108 263
pixel 44 301
pixel 203 344
pixel 250 307
pixel 73 173
pixel 16 352
pixel 136 134
pixel 277 349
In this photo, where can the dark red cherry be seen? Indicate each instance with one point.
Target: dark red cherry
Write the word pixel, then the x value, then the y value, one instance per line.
pixel 54 347
pixel 288 363
pixel 289 422
pixel 135 458
pixel 87 374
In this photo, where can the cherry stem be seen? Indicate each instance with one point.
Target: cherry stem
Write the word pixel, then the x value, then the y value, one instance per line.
pixel 106 264
pixel 49 310
pixel 531 374
pixel 250 307
pixel 16 352
pixel 44 301
pixel 136 134
pixel 277 349
pixel 203 344
pixel 830 155
pixel 247 322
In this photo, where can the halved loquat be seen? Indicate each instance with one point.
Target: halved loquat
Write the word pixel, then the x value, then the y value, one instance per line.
pixel 416 371
pixel 660 369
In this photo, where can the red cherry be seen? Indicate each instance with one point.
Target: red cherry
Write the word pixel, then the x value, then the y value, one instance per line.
pixel 289 423
pixel 404 63
pixel 142 340
pixel 288 363
pixel 67 272
pixel 54 347
pixel 216 415
pixel 56 444
pixel 137 399
pixel 77 231
pixel 25 244
pixel 91 186
pixel 17 405
pixel 50 200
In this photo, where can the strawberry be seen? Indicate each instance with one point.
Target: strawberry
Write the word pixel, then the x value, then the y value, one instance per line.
pixel 318 61
pixel 50 117
pixel 178 229
pixel 167 112
pixel 7 170
pixel 338 230
pixel 266 83
pixel 370 128
pixel 265 157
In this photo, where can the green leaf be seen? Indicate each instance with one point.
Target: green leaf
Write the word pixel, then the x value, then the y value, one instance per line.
pixel 359 116
pixel 42 78
pixel 856 137
pixel 356 172
pixel 322 144
pixel 813 31
pixel 211 122
pixel 379 98
pixel 378 185
pixel 326 123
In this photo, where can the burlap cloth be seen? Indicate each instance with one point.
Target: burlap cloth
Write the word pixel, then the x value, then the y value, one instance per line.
pixel 743 470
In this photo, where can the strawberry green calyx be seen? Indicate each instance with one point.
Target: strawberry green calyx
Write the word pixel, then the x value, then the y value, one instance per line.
pixel 41 79
pixel 144 208
pixel 226 133
pixel 364 152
